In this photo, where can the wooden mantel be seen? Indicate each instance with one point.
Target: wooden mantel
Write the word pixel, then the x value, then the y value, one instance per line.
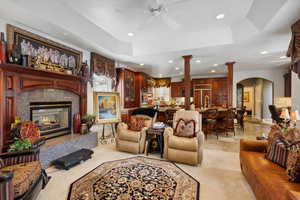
pixel 15 79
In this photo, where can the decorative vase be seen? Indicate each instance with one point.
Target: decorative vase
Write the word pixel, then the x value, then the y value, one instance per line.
pixel 84 129
pixel 77 123
pixel 2 49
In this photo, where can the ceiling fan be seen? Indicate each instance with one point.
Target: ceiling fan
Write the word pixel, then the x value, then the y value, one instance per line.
pixel 159 9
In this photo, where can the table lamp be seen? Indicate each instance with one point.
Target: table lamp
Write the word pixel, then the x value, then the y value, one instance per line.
pixel 285 116
pixel 294 117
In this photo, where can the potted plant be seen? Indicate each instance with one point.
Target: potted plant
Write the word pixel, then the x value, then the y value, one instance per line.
pixel 20 145
pixel 88 121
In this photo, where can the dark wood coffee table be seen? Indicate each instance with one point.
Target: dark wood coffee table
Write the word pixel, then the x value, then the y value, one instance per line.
pixel 152 134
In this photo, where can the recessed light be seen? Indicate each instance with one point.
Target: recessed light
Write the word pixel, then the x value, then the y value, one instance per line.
pixel 264 52
pixel 130 34
pixel 283 57
pixel 213 71
pixel 198 61
pixel 170 61
pixel 215 65
pixel 177 68
pixel 142 64
pixel 220 16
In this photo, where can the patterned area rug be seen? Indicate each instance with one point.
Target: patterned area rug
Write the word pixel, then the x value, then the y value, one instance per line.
pixel 135 178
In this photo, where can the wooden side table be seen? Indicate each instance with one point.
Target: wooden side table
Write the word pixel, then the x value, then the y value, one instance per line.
pixel 151 134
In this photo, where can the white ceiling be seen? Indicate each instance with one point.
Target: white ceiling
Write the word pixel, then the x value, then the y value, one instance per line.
pixel 249 27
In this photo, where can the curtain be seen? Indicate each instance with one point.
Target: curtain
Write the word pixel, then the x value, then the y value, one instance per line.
pixel 294 48
pixel 162 82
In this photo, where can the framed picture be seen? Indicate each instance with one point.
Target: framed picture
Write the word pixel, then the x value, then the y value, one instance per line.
pixel 47 51
pixel 246 97
pixel 107 107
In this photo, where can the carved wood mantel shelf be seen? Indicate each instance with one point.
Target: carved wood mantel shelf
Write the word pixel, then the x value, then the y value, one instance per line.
pixel 16 79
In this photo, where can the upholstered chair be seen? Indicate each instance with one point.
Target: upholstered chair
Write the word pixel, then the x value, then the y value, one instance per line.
pixel 134 141
pixel 21 175
pixel 184 149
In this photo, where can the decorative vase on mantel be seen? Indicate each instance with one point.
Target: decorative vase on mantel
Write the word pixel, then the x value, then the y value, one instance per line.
pixel 2 48
pixel 77 123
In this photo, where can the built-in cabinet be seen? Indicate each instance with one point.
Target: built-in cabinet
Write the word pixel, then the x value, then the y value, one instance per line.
pixel 210 91
pixel 177 89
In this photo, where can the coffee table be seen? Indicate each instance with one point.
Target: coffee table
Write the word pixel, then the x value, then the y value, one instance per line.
pixel 152 134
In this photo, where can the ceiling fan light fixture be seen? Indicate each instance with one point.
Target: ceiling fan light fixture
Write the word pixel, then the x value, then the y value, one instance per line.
pixel 220 16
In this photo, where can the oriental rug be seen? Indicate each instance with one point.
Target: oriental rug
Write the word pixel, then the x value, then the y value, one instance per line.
pixel 135 178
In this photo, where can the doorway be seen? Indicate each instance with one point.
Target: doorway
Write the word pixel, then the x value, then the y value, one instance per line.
pixel 256 94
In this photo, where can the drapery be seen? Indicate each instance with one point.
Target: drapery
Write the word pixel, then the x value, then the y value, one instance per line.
pixel 162 82
pixel 294 48
pixel 103 66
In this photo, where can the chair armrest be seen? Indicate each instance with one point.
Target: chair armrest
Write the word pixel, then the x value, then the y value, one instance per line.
pixel 6 185
pixel 14 158
pixel 122 126
pixel 294 195
pixel 253 145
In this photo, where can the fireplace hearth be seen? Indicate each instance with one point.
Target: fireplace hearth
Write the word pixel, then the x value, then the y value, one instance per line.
pixel 52 118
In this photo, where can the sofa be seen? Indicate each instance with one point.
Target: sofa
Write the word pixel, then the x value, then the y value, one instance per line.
pixel 268 180
pixel 183 149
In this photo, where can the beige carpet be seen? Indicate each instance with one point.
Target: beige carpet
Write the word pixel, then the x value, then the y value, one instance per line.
pixel 219 175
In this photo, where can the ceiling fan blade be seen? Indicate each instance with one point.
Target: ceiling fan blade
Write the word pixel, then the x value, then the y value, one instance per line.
pixel 169 21
pixel 174 2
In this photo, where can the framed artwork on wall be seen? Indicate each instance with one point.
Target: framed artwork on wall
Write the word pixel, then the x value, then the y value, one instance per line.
pixel 46 53
pixel 107 107
pixel 246 97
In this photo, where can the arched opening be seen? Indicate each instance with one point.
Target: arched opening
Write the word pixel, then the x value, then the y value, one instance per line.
pixel 256 94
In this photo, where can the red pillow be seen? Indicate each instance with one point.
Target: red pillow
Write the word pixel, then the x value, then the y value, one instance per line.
pixel 185 128
pixel 136 123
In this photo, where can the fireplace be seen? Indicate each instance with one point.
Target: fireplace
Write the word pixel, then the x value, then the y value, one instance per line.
pixel 52 118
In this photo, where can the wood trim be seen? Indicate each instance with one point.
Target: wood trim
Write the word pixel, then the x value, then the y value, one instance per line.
pixel 230 83
pixel 15 79
pixel 187 81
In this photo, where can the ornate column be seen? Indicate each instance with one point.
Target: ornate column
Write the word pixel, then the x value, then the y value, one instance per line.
pixel 229 83
pixel 187 80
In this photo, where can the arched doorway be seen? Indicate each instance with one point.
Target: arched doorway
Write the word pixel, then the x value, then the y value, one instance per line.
pixel 256 94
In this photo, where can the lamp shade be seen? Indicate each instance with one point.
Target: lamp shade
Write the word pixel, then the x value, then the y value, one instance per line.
pixel 295 115
pixel 285 114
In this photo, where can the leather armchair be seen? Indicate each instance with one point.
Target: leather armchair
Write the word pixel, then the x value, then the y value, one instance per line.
pixel 133 141
pixel 181 149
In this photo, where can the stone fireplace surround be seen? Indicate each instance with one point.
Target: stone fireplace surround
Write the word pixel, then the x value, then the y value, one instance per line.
pixel 45 95
pixel 19 84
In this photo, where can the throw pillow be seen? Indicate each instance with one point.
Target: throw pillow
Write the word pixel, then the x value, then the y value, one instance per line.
pixel 293 164
pixel 293 135
pixel 278 150
pixel 185 128
pixel 136 123
pixel 274 133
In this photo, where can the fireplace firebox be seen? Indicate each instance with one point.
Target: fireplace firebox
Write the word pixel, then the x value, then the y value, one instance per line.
pixel 52 118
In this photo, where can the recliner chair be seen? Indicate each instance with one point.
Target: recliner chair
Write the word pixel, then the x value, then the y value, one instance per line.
pixel 134 141
pixel 183 149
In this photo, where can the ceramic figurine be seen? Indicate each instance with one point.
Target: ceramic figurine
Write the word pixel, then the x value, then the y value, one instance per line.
pixel 2 48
